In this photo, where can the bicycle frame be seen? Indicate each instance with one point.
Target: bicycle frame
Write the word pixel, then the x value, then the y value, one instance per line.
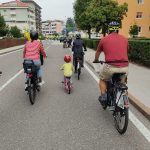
pixel 68 84
pixel 117 94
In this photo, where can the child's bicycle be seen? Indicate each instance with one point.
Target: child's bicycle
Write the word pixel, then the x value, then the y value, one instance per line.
pixel 68 84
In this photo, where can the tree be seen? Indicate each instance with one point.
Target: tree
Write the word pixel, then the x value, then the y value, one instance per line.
pixel 134 30
pixel 102 12
pixel 70 25
pixel 80 15
pixel 3 28
pixel 15 32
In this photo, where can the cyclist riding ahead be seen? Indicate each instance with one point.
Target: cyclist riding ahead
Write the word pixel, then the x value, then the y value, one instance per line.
pixel 32 51
pixel 115 48
pixel 77 50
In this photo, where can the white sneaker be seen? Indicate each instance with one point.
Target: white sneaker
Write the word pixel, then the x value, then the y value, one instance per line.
pixel 25 87
pixel 41 83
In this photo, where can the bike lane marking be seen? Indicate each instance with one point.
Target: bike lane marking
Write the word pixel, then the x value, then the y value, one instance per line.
pixel 14 77
pixel 10 80
pixel 137 123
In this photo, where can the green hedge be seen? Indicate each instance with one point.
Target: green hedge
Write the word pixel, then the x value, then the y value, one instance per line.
pixel 139 50
pixel 91 43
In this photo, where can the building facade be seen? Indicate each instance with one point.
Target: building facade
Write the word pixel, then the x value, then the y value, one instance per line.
pixel 18 14
pixel 37 10
pixel 51 27
pixel 139 14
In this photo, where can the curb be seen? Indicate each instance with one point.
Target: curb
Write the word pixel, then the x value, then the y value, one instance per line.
pixel 9 51
pixel 134 101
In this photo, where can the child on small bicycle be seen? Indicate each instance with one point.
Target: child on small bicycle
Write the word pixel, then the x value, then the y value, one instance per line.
pixel 67 67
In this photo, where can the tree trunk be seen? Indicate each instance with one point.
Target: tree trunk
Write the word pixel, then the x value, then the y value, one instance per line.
pixel 104 30
pixel 89 33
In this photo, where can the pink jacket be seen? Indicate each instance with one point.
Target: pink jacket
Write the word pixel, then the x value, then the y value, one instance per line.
pixel 32 50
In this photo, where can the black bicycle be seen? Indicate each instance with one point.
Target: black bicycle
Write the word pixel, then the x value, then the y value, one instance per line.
pixel 32 80
pixel 79 64
pixel 117 100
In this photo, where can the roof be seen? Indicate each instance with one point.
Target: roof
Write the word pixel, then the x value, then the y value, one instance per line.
pixel 31 1
pixel 14 3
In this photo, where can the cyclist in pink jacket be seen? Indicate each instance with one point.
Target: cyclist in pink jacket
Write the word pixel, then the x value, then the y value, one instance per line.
pixel 32 51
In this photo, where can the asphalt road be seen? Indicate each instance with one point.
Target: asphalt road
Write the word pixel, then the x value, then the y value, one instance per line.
pixel 58 121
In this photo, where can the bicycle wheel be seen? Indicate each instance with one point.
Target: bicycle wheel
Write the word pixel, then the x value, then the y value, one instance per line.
pixel 121 118
pixel 79 70
pixel 32 93
pixel 68 87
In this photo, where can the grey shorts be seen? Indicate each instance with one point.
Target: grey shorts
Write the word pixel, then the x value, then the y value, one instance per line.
pixel 108 71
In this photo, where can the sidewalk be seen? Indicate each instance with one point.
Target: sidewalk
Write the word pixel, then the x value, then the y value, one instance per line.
pixel 8 50
pixel 138 83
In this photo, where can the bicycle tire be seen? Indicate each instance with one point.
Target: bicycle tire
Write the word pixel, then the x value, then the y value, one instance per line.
pixel 79 71
pixel 32 94
pixel 121 113
pixel 69 90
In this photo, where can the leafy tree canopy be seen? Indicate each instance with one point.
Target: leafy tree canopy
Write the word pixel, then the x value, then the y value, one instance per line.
pixel 134 30
pixel 70 25
pixel 3 28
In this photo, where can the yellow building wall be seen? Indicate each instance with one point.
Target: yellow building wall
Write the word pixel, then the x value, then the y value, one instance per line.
pixel 144 22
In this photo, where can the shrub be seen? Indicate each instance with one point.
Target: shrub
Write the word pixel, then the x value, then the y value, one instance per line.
pixel 15 32
pixel 139 50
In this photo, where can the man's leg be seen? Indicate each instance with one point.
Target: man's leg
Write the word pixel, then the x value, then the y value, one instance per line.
pixel 75 64
pixel 102 86
pixel 82 60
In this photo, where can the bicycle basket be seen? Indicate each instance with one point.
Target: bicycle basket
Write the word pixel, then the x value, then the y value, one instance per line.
pixel 29 66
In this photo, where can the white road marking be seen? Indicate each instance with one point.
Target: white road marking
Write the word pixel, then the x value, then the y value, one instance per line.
pixel 14 77
pixel 10 80
pixel 137 123
pixel 15 51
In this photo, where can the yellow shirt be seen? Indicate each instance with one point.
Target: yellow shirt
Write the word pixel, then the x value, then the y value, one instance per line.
pixel 68 69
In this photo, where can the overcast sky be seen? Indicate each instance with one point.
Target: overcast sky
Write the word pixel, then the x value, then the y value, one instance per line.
pixel 54 9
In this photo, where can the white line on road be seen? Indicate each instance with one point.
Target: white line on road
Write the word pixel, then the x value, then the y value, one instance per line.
pixel 14 77
pixel 10 80
pixel 138 124
pixel 14 51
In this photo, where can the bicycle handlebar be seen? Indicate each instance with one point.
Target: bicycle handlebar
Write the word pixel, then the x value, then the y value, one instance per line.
pixel 107 62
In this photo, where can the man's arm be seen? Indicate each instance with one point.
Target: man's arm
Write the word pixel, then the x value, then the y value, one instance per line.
pixel 73 47
pixel 98 51
pixel 84 46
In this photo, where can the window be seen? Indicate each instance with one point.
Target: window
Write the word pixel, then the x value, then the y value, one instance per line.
pixel 140 1
pixel 140 29
pixel 149 28
pixel 139 15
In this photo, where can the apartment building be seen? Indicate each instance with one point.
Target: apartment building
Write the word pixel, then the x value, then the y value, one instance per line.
pixel 18 14
pixel 51 27
pixel 139 14
pixel 37 10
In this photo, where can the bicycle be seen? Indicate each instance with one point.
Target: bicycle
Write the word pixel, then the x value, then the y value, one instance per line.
pixel 32 80
pixel 68 84
pixel 79 64
pixel 117 99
